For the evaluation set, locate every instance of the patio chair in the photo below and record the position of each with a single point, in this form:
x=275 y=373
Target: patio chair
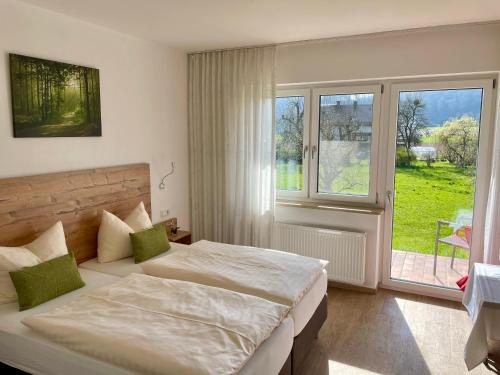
x=461 y=237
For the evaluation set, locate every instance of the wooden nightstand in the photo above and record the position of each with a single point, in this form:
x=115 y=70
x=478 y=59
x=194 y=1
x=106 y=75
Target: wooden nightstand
x=182 y=236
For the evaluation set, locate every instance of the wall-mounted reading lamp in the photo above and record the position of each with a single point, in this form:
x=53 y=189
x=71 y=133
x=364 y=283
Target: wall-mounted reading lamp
x=162 y=182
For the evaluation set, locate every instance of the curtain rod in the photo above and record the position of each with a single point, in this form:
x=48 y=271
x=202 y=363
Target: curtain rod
x=232 y=49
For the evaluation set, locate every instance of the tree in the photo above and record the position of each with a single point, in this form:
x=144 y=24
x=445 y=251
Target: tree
x=339 y=132
x=459 y=140
x=289 y=130
x=334 y=174
x=411 y=120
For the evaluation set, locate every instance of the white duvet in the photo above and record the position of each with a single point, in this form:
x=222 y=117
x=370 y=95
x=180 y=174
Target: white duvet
x=156 y=326
x=274 y=275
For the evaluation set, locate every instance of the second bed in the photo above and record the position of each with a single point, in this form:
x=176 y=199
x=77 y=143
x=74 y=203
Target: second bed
x=241 y=269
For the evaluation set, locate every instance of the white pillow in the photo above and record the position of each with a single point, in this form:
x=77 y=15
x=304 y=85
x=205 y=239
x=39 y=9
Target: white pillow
x=13 y=259
x=114 y=240
x=139 y=219
x=50 y=244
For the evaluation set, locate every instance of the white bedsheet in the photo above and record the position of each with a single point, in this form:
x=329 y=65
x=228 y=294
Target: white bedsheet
x=156 y=326
x=274 y=275
x=304 y=310
x=125 y=266
x=24 y=349
x=301 y=312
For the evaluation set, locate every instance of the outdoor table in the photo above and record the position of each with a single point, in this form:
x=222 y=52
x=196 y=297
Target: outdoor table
x=482 y=300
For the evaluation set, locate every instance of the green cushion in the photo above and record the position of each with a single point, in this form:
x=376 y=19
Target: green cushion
x=46 y=281
x=149 y=243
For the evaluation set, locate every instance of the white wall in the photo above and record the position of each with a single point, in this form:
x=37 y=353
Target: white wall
x=447 y=50
x=143 y=101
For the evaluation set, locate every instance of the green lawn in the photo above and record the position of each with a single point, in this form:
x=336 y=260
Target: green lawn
x=423 y=196
x=288 y=177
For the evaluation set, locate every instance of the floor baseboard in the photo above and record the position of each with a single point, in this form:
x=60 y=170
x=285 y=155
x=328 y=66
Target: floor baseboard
x=356 y=288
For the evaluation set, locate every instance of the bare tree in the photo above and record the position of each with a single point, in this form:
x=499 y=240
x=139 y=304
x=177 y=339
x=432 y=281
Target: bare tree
x=335 y=157
x=290 y=129
x=340 y=126
x=411 y=119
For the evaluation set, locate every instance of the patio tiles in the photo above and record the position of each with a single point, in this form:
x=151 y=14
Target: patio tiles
x=417 y=267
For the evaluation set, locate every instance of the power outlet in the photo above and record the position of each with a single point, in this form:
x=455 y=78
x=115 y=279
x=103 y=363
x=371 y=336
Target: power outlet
x=164 y=212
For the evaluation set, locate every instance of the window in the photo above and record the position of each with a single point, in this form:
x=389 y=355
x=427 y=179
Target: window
x=292 y=142
x=341 y=151
x=343 y=136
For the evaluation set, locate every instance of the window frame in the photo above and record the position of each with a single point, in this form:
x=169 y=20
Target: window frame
x=371 y=198
x=304 y=193
x=483 y=173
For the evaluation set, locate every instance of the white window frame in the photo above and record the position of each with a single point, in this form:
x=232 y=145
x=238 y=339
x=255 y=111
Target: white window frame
x=483 y=173
x=304 y=193
x=371 y=198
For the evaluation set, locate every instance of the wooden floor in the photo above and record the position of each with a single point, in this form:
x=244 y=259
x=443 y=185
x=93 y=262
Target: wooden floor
x=407 y=265
x=390 y=333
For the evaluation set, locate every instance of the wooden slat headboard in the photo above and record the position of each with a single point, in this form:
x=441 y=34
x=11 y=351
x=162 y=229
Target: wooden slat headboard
x=30 y=205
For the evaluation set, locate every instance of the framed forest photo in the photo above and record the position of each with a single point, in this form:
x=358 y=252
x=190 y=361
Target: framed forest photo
x=54 y=99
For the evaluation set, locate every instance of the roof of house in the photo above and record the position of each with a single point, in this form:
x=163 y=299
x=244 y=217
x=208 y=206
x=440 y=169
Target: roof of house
x=363 y=112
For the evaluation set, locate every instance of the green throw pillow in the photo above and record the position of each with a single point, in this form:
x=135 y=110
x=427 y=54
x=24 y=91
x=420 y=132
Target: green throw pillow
x=149 y=243
x=45 y=281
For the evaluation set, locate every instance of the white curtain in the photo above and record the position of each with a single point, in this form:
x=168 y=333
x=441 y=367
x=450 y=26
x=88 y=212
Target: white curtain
x=231 y=106
x=492 y=223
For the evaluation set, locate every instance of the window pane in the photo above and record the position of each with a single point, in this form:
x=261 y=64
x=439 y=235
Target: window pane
x=345 y=131
x=289 y=142
x=437 y=148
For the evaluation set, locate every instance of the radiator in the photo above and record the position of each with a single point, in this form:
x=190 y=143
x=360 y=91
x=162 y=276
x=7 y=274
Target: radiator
x=344 y=250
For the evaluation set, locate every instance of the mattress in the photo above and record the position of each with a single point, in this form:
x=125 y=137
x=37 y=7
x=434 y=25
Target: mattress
x=125 y=266
x=22 y=348
x=304 y=310
x=301 y=313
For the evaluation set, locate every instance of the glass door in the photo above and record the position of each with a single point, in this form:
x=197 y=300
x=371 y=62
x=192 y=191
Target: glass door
x=438 y=142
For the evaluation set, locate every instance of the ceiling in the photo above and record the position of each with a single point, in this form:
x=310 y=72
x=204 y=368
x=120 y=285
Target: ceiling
x=194 y=25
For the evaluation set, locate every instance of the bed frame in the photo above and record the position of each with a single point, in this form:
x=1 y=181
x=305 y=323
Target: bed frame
x=29 y=205
x=32 y=204
x=302 y=343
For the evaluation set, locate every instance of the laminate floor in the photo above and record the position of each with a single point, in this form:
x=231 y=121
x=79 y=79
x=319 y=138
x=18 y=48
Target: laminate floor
x=390 y=333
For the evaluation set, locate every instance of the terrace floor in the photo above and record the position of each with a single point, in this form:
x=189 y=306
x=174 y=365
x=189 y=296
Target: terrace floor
x=418 y=267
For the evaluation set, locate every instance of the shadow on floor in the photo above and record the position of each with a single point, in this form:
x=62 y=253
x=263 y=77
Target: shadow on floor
x=389 y=333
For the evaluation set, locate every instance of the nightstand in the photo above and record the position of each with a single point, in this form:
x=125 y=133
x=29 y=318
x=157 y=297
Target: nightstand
x=182 y=236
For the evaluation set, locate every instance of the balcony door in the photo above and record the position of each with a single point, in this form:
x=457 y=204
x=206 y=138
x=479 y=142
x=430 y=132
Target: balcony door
x=436 y=183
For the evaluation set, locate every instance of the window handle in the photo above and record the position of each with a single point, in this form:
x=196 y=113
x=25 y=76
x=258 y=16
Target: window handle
x=306 y=148
x=388 y=194
x=313 y=151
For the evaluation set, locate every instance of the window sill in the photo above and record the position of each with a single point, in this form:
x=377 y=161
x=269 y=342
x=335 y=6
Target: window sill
x=366 y=210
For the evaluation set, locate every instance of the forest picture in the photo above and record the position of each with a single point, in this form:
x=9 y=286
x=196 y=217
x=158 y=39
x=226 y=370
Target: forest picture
x=53 y=99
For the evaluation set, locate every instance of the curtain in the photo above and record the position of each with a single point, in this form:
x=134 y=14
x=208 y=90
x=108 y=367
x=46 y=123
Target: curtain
x=492 y=223
x=231 y=115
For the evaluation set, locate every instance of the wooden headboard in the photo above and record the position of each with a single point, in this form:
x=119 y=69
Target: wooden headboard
x=30 y=205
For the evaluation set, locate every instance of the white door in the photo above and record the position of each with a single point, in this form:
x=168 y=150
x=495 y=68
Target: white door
x=437 y=181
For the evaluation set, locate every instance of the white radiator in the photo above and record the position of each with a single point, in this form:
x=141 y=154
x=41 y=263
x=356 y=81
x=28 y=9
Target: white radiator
x=344 y=250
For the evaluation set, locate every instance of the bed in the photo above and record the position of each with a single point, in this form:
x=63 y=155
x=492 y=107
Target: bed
x=24 y=349
x=301 y=313
x=125 y=266
x=28 y=205
x=308 y=314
